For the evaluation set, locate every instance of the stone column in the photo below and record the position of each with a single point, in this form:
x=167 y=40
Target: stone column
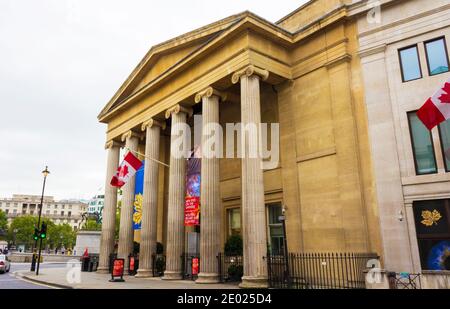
x=109 y=208
x=126 y=233
x=211 y=220
x=177 y=179
x=150 y=203
x=253 y=202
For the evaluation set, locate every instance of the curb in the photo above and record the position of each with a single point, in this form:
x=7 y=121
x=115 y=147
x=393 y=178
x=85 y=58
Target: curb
x=20 y=275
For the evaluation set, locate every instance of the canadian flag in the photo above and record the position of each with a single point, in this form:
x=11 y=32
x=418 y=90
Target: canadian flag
x=437 y=108
x=126 y=170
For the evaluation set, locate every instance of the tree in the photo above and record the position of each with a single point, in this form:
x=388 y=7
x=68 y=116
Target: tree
x=22 y=229
x=61 y=235
x=92 y=225
x=3 y=224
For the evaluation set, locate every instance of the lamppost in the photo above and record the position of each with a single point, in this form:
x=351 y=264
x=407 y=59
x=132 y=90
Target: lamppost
x=33 y=262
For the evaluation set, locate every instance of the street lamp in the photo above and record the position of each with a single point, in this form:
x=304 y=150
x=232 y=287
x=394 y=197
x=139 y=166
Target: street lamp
x=45 y=173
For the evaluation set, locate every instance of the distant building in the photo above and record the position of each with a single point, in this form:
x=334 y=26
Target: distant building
x=59 y=212
x=96 y=204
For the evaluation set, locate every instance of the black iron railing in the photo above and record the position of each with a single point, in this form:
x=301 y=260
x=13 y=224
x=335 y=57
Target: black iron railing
x=112 y=257
x=158 y=265
x=133 y=264
x=230 y=268
x=406 y=281
x=187 y=261
x=318 y=270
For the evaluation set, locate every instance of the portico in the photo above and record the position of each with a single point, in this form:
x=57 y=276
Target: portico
x=240 y=70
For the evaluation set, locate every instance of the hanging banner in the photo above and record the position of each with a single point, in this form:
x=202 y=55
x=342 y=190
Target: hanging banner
x=193 y=182
x=138 y=198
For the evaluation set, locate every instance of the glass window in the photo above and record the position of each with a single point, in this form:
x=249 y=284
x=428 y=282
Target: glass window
x=437 y=56
x=276 y=235
x=423 y=147
x=444 y=131
x=234 y=221
x=432 y=220
x=410 y=64
x=14 y=211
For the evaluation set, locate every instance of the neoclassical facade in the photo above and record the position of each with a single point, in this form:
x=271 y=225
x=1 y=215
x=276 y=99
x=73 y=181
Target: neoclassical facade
x=303 y=73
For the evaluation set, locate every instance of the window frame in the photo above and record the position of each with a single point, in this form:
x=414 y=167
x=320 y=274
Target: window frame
x=416 y=46
x=413 y=147
x=426 y=54
x=447 y=167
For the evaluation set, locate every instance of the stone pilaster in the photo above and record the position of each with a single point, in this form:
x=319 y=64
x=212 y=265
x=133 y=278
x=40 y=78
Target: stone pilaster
x=253 y=202
x=126 y=233
x=177 y=177
x=150 y=203
x=109 y=208
x=210 y=190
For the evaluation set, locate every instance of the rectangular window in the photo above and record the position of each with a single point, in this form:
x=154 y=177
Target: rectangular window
x=7 y=211
x=62 y=213
x=276 y=235
x=423 y=148
x=234 y=222
x=437 y=56
x=410 y=63
x=15 y=211
x=433 y=233
x=444 y=132
x=69 y=214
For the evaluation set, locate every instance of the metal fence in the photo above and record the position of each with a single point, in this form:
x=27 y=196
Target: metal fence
x=158 y=265
x=187 y=261
x=405 y=281
x=318 y=270
x=230 y=268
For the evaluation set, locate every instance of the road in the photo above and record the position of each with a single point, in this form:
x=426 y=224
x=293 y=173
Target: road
x=8 y=281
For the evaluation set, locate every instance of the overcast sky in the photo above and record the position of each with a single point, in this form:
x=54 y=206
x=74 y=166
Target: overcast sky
x=60 y=63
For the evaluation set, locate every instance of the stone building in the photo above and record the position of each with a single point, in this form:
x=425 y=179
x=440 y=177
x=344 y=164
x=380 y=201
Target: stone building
x=59 y=212
x=305 y=74
x=404 y=61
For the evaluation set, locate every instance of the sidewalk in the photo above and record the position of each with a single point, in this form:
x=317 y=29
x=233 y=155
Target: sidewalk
x=57 y=278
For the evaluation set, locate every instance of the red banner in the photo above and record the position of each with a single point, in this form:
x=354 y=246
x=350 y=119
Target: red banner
x=195 y=266
x=192 y=211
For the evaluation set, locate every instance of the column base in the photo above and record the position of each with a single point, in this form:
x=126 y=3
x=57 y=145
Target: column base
x=254 y=283
x=144 y=273
x=172 y=275
x=103 y=270
x=207 y=278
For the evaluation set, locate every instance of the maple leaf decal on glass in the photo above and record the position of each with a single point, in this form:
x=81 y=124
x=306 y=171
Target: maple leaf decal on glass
x=445 y=97
x=430 y=218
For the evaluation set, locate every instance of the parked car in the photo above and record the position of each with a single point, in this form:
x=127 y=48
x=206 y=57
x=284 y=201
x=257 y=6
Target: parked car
x=5 y=265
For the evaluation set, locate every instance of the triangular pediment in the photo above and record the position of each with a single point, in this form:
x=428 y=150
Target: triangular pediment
x=163 y=56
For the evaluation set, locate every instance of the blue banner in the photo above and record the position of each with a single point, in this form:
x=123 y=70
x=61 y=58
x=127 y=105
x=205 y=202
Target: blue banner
x=138 y=198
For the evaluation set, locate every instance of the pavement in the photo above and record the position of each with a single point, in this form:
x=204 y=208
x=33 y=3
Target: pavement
x=10 y=281
x=64 y=277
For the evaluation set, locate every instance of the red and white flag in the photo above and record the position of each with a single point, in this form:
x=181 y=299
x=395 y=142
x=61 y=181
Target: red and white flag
x=126 y=170
x=437 y=108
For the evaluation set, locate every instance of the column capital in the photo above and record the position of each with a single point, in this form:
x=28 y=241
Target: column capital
x=111 y=144
x=153 y=123
x=130 y=134
x=179 y=109
x=249 y=71
x=209 y=92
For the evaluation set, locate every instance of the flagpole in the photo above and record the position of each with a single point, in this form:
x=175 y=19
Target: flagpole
x=143 y=155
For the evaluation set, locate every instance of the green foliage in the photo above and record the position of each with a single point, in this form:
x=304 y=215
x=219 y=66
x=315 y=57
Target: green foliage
x=160 y=266
x=92 y=225
x=234 y=246
x=3 y=221
x=235 y=272
x=57 y=235
x=24 y=227
x=61 y=235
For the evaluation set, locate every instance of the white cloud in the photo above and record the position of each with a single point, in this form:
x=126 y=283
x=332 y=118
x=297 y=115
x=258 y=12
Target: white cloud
x=61 y=61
